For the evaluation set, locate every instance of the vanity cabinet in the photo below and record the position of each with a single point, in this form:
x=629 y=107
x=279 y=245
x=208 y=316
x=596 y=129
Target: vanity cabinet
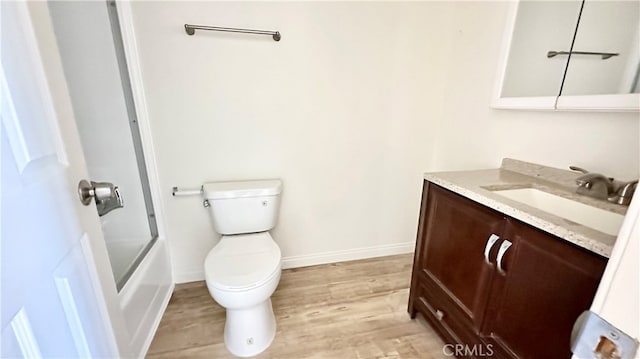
x=482 y=278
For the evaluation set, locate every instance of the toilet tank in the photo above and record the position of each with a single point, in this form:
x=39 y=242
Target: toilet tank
x=243 y=206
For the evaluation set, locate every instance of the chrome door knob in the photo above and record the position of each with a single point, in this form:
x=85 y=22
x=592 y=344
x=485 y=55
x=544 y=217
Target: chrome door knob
x=107 y=195
x=99 y=190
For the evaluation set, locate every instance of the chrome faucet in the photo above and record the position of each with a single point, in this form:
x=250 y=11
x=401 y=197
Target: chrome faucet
x=602 y=187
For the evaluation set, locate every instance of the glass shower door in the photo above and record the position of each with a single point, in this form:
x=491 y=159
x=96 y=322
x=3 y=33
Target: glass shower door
x=92 y=55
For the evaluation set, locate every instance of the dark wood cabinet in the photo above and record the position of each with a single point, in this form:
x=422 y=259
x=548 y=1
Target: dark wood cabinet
x=524 y=307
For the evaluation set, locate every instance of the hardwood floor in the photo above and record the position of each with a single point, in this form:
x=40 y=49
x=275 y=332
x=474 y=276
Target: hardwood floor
x=352 y=309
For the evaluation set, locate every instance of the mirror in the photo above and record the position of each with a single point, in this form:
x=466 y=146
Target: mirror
x=611 y=27
x=571 y=55
x=540 y=26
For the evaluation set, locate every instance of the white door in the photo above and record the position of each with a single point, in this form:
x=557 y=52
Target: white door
x=58 y=298
x=618 y=297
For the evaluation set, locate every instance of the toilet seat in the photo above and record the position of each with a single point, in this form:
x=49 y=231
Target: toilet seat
x=242 y=262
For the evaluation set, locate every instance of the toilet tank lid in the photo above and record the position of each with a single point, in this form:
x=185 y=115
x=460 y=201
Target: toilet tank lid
x=240 y=189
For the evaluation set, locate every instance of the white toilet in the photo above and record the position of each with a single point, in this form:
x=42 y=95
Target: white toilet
x=243 y=270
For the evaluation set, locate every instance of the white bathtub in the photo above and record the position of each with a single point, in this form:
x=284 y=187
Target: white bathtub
x=145 y=297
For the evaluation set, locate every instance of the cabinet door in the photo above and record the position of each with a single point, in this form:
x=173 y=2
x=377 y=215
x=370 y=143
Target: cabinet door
x=545 y=285
x=451 y=260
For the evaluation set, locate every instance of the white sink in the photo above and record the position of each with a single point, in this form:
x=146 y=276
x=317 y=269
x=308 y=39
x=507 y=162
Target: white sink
x=588 y=216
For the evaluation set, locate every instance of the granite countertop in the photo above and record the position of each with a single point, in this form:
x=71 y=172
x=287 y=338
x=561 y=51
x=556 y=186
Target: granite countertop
x=513 y=174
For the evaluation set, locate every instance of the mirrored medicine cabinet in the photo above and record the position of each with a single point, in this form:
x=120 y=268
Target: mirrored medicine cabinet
x=571 y=55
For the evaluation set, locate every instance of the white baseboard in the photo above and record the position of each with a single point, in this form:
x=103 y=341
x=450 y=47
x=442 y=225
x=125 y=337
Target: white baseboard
x=321 y=258
x=188 y=277
x=347 y=255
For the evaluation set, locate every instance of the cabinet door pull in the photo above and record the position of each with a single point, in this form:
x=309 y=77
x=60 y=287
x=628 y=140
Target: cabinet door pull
x=503 y=249
x=436 y=312
x=493 y=238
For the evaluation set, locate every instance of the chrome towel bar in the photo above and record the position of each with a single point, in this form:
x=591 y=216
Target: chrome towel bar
x=191 y=29
x=605 y=55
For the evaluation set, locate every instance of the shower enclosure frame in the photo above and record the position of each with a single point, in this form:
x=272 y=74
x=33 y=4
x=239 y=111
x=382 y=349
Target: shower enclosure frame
x=132 y=115
x=141 y=307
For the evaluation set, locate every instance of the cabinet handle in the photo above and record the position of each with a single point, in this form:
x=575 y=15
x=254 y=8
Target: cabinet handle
x=503 y=249
x=439 y=314
x=493 y=238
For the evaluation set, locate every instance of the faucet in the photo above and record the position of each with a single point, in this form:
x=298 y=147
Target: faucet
x=602 y=187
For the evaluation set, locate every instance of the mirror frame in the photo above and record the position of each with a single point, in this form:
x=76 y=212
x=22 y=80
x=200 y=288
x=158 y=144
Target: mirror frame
x=592 y=103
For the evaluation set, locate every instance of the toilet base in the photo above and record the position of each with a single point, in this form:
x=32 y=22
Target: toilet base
x=249 y=331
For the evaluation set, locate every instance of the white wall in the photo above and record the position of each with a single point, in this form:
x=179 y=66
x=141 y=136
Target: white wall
x=349 y=109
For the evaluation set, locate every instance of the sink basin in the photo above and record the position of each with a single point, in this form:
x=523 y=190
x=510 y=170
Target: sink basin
x=588 y=216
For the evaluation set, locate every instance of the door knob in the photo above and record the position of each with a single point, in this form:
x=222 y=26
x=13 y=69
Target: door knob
x=107 y=195
x=99 y=190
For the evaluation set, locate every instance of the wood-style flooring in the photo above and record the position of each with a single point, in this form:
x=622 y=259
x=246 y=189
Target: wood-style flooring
x=352 y=309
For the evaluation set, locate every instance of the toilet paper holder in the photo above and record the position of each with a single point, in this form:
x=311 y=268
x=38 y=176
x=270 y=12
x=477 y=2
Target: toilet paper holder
x=177 y=192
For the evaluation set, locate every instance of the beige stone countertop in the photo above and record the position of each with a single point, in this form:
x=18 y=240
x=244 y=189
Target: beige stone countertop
x=513 y=174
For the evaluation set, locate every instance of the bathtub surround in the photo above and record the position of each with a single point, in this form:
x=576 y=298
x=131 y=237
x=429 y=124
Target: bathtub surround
x=355 y=102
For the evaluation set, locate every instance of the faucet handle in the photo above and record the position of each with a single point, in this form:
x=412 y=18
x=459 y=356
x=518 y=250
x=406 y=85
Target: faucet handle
x=627 y=189
x=583 y=171
x=624 y=193
x=579 y=169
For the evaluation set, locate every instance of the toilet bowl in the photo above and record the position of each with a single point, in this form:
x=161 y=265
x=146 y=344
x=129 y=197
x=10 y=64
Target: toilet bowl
x=242 y=279
x=243 y=270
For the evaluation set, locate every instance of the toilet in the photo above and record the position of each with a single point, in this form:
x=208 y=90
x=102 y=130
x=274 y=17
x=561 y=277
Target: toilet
x=243 y=270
